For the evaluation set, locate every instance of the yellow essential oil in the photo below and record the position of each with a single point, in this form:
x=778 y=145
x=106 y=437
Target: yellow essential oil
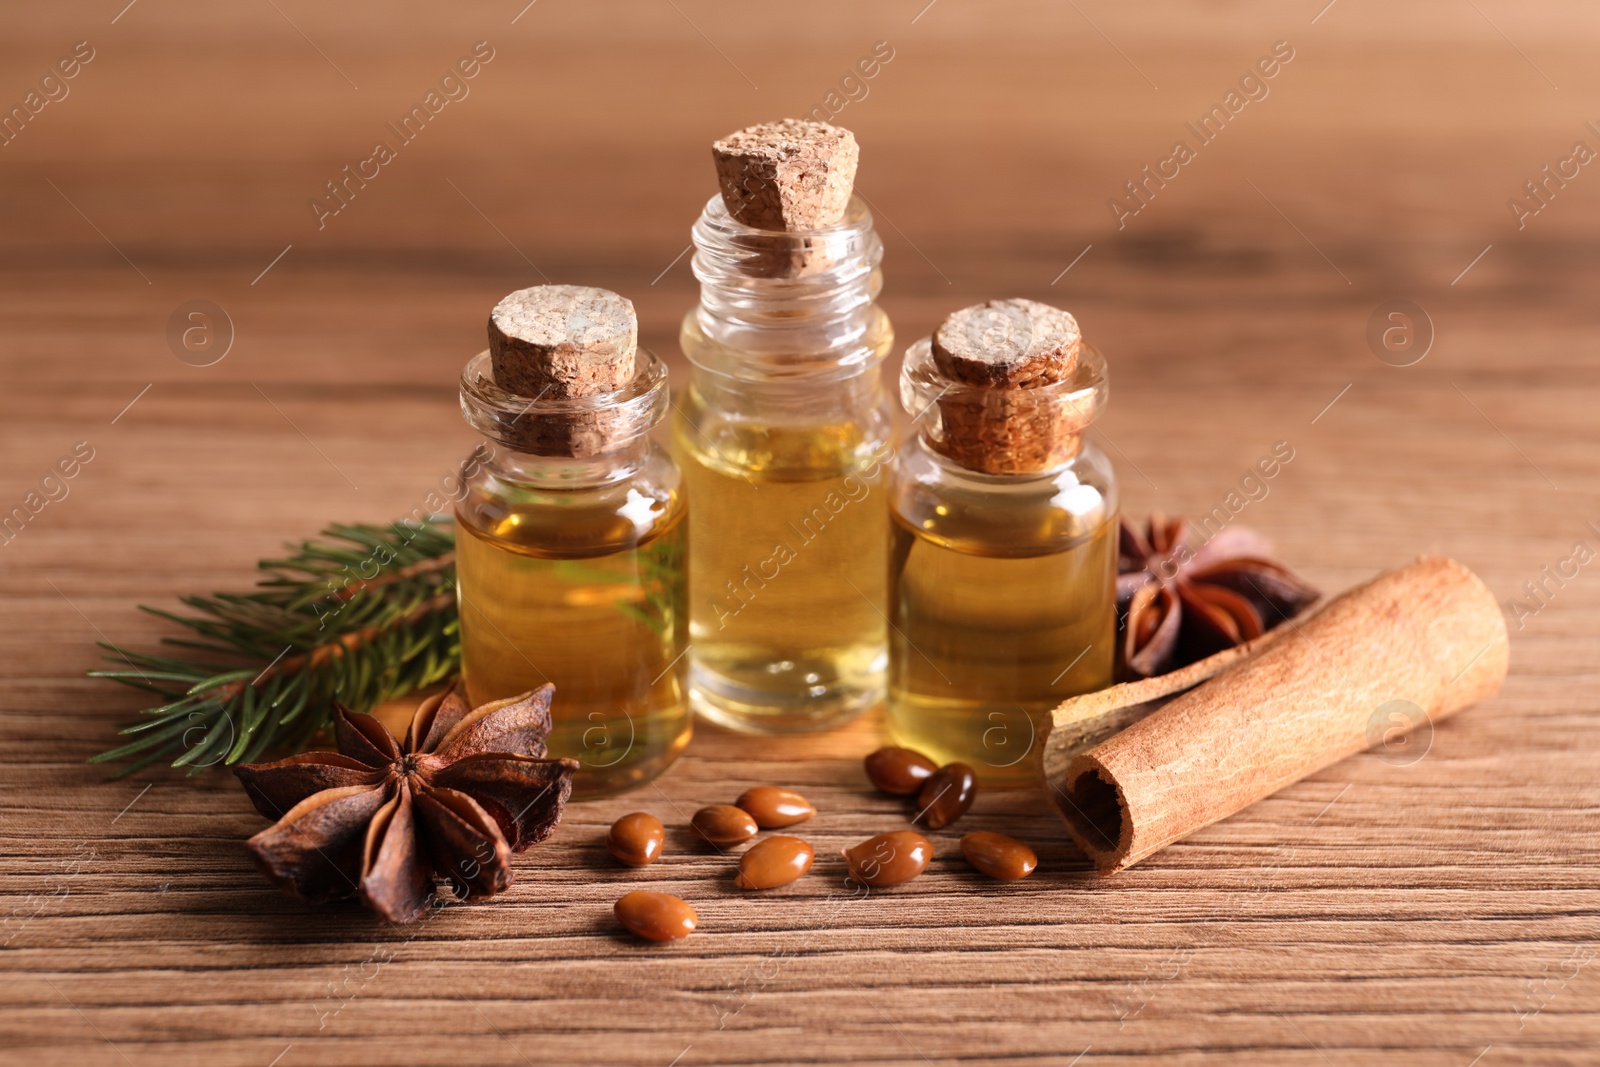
x=604 y=626
x=570 y=548
x=786 y=596
x=986 y=642
x=1003 y=548
x=783 y=438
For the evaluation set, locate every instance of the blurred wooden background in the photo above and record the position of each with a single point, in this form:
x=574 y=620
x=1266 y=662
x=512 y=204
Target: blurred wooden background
x=1442 y=912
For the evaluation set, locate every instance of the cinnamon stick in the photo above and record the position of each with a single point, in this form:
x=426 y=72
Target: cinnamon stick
x=1429 y=634
x=1081 y=722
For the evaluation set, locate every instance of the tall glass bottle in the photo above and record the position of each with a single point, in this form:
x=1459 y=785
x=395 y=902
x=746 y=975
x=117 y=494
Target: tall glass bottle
x=1002 y=566
x=570 y=545
x=783 y=436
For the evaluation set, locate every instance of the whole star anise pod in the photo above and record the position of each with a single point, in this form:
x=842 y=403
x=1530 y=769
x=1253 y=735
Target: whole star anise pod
x=382 y=821
x=1181 y=599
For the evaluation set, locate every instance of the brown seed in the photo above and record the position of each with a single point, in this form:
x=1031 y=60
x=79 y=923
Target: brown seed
x=636 y=839
x=947 y=795
x=900 y=771
x=724 y=824
x=772 y=807
x=776 y=861
x=889 y=859
x=656 y=916
x=998 y=856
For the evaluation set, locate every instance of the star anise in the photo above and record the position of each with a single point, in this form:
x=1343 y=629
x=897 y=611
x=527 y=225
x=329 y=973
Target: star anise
x=1181 y=599
x=382 y=821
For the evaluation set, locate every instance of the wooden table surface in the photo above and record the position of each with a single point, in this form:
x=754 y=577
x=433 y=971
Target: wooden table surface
x=1444 y=911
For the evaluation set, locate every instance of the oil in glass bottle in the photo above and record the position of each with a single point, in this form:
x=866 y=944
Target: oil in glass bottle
x=570 y=539
x=1002 y=568
x=783 y=435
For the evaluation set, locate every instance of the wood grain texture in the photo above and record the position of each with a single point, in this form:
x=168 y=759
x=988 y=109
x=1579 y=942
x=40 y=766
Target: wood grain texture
x=1442 y=912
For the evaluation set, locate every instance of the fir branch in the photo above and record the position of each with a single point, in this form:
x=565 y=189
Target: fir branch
x=365 y=614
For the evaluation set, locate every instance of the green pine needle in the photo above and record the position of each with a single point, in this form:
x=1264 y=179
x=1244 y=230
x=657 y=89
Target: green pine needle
x=365 y=614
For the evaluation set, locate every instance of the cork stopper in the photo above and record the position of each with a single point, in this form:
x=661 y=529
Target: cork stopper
x=563 y=341
x=564 y=374
x=1002 y=434
x=1009 y=384
x=580 y=428
x=791 y=175
x=1007 y=343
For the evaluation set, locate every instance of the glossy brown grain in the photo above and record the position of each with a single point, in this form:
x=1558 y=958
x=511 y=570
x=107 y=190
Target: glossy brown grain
x=776 y=861
x=724 y=824
x=636 y=839
x=946 y=796
x=998 y=855
x=655 y=916
x=773 y=807
x=889 y=859
x=898 y=771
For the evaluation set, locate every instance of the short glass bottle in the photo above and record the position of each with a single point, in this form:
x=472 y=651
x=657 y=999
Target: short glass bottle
x=570 y=550
x=1002 y=569
x=783 y=434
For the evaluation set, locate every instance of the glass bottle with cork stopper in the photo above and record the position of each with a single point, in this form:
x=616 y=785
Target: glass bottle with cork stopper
x=1002 y=563
x=783 y=434
x=570 y=539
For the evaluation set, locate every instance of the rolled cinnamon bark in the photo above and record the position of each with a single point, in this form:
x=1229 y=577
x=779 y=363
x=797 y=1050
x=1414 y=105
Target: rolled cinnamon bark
x=1420 y=642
